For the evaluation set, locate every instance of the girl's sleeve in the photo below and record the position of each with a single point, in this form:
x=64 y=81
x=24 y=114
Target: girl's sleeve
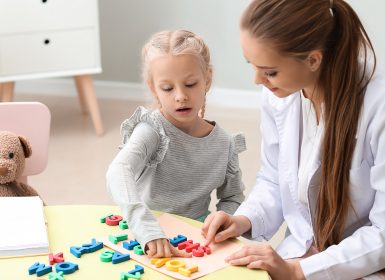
x=263 y=205
x=142 y=148
x=230 y=194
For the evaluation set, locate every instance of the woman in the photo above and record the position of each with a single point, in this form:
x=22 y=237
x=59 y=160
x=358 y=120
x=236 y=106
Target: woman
x=323 y=144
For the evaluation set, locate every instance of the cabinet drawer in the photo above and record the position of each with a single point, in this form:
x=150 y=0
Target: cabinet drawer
x=48 y=52
x=17 y=16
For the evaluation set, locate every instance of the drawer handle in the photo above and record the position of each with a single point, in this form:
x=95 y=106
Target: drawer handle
x=46 y=41
x=44 y=1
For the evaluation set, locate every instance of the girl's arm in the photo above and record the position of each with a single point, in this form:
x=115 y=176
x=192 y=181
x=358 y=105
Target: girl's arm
x=230 y=194
x=121 y=182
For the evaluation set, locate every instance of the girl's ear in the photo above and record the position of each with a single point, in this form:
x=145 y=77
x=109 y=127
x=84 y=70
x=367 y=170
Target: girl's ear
x=209 y=78
x=314 y=60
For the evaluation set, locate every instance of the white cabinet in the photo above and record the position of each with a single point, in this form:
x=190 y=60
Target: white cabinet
x=51 y=38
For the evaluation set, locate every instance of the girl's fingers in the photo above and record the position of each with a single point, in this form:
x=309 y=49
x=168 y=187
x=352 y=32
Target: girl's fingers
x=151 y=248
x=167 y=249
x=159 y=249
x=179 y=253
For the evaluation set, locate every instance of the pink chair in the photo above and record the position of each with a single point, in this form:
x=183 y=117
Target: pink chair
x=32 y=120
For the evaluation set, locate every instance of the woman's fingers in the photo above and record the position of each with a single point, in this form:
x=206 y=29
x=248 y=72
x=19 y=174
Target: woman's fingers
x=206 y=224
x=237 y=255
x=266 y=258
x=258 y=264
x=242 y=260
x=248 y=256
x=251 y=250
x=225 y=234
x=215 y=225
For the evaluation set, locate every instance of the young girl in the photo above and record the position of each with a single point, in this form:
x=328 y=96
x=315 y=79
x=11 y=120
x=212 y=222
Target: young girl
x=172 y=158
x=323 y=144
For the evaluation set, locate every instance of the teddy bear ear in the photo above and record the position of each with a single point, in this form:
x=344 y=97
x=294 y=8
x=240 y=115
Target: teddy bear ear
x=27 y=149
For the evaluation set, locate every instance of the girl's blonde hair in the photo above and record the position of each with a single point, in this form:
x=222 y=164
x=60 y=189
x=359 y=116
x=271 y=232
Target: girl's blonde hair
x=175 y=43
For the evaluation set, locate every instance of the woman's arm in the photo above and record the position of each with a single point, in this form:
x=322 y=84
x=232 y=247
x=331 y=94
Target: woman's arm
x=263 y=205
x=262 y=210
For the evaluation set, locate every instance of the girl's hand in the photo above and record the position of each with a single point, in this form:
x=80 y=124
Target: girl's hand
x=161 y=248
x=220 y=226
x=266 y=258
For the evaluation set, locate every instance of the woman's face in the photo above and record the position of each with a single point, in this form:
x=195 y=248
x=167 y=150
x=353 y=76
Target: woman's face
x=282 y=75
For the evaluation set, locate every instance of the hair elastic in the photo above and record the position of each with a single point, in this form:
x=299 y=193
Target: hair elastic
x=331 y=7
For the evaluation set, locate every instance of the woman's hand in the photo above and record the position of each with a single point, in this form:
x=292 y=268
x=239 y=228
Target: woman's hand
x=220 y=226
x=161 y=248
x=266 y=258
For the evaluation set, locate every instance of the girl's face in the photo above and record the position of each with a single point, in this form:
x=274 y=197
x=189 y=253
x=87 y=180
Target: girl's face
x=180 y=85
x=283 y=75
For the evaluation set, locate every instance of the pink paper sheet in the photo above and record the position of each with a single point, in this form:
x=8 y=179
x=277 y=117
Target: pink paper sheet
x=172 y=227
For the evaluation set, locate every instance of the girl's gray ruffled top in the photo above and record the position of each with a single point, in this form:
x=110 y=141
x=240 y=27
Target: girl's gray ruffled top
x=162 y=168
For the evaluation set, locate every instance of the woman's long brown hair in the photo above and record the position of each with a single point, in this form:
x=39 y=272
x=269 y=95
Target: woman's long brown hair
x=295 y=28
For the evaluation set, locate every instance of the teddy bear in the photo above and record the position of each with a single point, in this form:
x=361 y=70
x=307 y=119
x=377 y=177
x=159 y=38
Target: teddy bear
x=14 y=149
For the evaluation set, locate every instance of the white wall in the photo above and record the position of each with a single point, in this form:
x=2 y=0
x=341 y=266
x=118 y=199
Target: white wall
x=371 y=13
x=127 y=24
